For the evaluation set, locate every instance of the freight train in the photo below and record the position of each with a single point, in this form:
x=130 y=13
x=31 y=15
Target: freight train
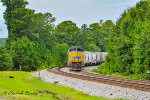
x=78 y=57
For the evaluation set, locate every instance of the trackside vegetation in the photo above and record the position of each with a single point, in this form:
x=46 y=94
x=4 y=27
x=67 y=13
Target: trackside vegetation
x=128 y=46
x=18 y=85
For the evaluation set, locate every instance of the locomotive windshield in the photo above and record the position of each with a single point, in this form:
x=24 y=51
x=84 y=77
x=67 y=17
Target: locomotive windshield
x=80 y=49
x=76 y=48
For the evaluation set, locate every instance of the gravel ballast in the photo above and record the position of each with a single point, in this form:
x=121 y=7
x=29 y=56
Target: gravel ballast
x=92 y=88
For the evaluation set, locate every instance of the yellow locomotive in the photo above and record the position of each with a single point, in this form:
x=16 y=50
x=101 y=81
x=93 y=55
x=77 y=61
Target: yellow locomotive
x=75 y=58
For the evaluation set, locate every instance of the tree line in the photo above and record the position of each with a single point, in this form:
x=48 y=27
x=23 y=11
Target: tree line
x=128 y=44
x=35 y=42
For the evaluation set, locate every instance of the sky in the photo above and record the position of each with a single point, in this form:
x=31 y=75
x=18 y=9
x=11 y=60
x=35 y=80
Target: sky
x=78 y=11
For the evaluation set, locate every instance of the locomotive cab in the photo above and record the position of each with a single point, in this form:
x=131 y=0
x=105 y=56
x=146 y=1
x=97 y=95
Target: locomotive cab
x=75 y=58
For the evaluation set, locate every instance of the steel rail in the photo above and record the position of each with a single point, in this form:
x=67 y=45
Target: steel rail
x=117 y=81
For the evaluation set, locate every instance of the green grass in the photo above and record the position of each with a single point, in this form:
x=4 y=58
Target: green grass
x=24 y=81
x=105 y=71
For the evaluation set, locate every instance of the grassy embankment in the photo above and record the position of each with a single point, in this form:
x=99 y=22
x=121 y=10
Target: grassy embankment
x=102 y=70
x=24 y=86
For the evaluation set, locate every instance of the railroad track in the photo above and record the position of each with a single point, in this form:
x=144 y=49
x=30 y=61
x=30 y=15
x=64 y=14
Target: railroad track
x=111 y=80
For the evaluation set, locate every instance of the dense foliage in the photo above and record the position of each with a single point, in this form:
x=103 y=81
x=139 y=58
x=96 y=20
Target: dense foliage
x=5 y=59
x=30 y=37
x=129 y=45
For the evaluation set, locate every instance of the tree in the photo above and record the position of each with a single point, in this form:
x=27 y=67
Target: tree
x=97 y=34
x=42 y=28
x=24 y=55
x=29 y=56
x=5 y=59
x=107 y=28
x=128 y=45
x=17 y=18
x=66 y=32
x=59 y=55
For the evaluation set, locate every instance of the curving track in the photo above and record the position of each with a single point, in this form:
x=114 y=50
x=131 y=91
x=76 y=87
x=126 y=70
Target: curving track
x=111 y=80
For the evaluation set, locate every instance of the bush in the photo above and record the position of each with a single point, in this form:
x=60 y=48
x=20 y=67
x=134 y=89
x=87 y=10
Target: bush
x=23 y=54
x=5 y=59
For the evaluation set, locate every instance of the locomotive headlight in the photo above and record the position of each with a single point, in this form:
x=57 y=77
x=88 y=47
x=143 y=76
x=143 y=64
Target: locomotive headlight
x=76 y=57
x=73 y=58
x=82 y=58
